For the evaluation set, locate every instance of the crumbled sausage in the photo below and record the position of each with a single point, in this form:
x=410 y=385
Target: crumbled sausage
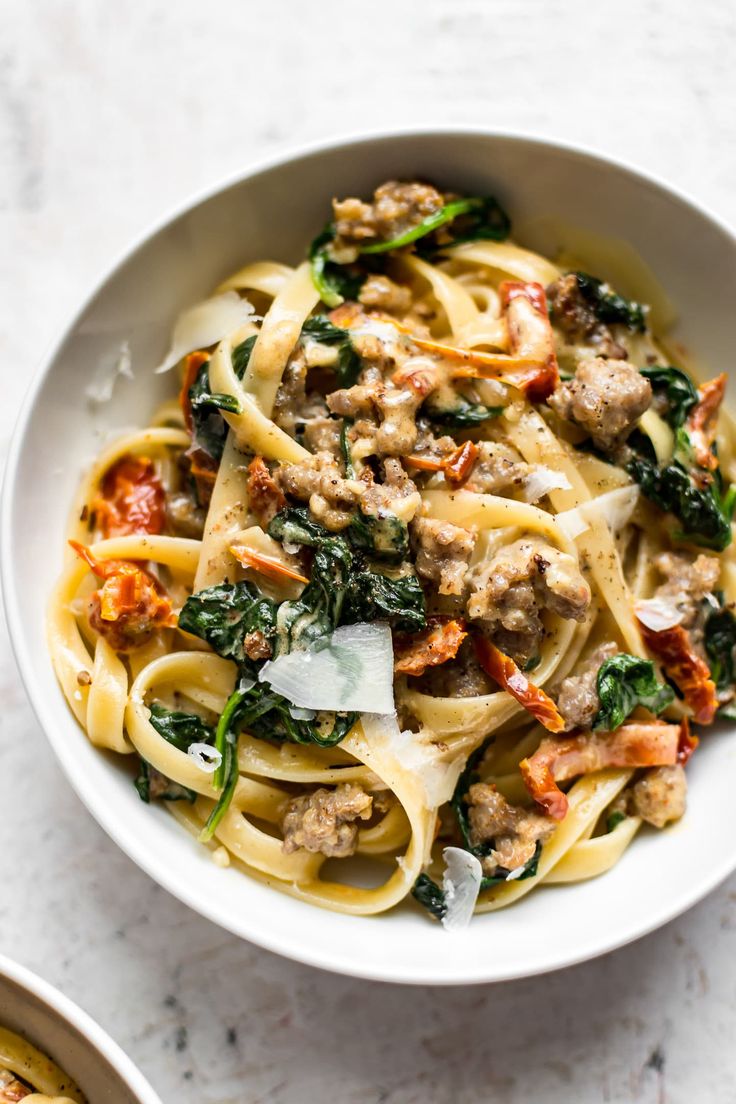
x=577 y=321
x=322 y=434
x=381 y=293
x=294 y=406
x=463 y=677
x=578 y=700
x=606 y=398
x=396 y=495
x=256 y=645
x=660 y=796
x=498 y=468
x=511 y=590
x=512 y=830
x=265 y=497
x=396 y=208
x=318 y=480
x=687 y=582
x=324 y=821
x=184 y=517
x=443 y=552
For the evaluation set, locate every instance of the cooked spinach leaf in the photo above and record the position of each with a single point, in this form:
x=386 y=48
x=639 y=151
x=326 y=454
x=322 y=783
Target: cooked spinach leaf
x=335 y=283
x=226 y=775
x=614 y=819
x=704 y=513
x=386 y=538
x=430 y=896
x=348 y=364
x=625 y=681
x=472 y=219
x=151 y=784
x=209 y=427
x=459 y=802
x=347 y=456
x=180 y=729
x=482 y=217
x=464 y=415
x=720 y=642
x=677 y=388
x=609 y=307
x=241 y=355
x=223 y=615
x=374 y=597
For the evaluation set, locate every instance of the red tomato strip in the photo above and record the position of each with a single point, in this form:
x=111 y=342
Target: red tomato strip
x=265 y=564
x=702 y=420
x=431 y=647
x=192 y=365
x=681 y=663
x=502 y=669
x=131 y=499
x=459 y=466
x=649 y=744
x=129 y=605
x=265 y=497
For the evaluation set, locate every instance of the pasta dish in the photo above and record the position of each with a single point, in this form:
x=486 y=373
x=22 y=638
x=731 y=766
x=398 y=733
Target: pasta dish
x=421 y=583
x=27 y=1074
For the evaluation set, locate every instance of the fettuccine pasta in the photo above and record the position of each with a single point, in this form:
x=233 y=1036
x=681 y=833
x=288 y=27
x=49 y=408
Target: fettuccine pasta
x=28 y=1074
x=419 y=581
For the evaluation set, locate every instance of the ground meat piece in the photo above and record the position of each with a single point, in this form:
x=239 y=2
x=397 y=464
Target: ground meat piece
x=184 y=517
x=462 y=677
x=687 y=582
x=522 y=579
x=397 y=494
x=578 y=700
x=322 y=434
x=660 y=796
x=11 y=1089
x=318 y=480
x=606 y=398
x=397 y=433
x=293 y=406
x=497 y=468
x=265 y=497
x=389 y=410
x=381 y=293
x=325 y=820
x=513 y=830
x=574 y=317
x=256 y=646
x=396 y=208
x=443 y=551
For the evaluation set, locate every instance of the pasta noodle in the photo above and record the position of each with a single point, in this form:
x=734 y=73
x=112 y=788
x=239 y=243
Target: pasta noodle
x=27 y=1074
x=431 y=428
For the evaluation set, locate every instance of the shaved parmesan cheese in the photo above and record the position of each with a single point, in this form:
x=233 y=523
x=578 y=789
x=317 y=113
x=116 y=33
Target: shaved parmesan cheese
x=657 y=613
x=100 y=389
x=205 y=324
x=614 y=508
x=415 y=754
x=352 y=668
x=461 y=884
x=205 y=756
x=572 y=522
x=541 y=480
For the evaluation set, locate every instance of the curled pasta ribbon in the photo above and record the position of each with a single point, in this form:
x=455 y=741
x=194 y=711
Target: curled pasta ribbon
x=48 y=1080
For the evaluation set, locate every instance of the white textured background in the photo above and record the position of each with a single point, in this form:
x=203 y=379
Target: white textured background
x=108 y=116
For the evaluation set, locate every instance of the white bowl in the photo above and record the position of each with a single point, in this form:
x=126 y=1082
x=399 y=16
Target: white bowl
x=273 y=211
x=50 y=1021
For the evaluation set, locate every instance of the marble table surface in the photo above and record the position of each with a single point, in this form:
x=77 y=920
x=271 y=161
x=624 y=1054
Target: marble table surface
x=108 y=115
